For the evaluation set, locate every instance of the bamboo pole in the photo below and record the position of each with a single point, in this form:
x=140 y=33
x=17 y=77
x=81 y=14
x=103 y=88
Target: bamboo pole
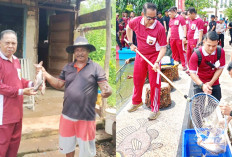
x=108 y=49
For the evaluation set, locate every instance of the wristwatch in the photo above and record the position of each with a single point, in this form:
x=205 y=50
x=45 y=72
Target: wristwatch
x=130 y=44
x=230 y=113
x=201 y=85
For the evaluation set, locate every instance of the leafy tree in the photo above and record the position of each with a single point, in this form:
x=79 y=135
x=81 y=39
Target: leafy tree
x=98 y=39
x=162 y=5
x=228 y=13
x=199 y=5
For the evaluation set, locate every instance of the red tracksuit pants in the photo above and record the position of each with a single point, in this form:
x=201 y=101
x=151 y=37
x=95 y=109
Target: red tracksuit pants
x=10 y=136
x=192 y=43
x=140 y=72
x=177 y=47
x=122 y=39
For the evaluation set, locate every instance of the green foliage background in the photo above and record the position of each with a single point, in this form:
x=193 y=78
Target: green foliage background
x=199 y=5
x=228 y=11
x=98 y=39
x=137 y=5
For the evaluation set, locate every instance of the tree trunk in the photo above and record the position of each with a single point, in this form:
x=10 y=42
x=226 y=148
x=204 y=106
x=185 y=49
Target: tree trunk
x=216 y=8
x=108 y=49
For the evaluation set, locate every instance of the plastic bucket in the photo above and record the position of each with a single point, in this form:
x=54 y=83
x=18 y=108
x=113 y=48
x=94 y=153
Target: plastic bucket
x=110 y=119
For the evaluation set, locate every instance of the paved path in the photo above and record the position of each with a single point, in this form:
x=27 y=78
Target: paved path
x=161 y=138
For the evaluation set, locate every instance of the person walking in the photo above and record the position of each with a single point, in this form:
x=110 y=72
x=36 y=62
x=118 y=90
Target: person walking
x=177 y=36
x=160 y=18
x=206 y=23
x=230 y=30
x=212 y=24
x=166 y=20
x=195 y=31
x=220 y=29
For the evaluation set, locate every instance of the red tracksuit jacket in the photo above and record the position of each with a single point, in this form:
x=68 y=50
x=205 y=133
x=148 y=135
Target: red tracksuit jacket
x=11 y=103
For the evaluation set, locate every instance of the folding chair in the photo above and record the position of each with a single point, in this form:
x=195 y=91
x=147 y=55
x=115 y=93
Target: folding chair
x=28 y=101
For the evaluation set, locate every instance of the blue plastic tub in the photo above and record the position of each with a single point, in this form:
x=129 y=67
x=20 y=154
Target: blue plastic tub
x=126 y=53
x=191 y=149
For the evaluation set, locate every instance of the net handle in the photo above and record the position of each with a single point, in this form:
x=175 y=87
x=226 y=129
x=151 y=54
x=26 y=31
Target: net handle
x=121 y=68
x=169 y=81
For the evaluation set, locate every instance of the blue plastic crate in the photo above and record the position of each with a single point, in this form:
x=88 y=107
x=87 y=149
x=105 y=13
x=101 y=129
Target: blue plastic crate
x=126 y=53
x=191 y=149
x=172 y=62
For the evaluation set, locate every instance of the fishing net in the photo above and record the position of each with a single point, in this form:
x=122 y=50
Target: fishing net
x=120 y=72
x=208 y=122
x=124 y=85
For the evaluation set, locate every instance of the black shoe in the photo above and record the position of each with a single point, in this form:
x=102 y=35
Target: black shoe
x=229 y=42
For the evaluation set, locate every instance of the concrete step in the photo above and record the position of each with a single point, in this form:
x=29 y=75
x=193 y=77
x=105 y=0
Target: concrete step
x=46 y=126
x=50 y=144
x=54 y=153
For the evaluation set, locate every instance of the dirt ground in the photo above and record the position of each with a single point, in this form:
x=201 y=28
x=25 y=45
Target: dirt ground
x=50 y=105
x=105 y=149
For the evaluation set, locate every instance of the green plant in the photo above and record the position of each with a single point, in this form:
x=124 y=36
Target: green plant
x=123 y=5
x=98 y=39
x=228 y=13
x=199 y=5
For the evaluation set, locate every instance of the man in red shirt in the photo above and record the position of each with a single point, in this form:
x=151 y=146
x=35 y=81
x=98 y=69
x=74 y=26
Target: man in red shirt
x=195 y=31
x=117 y=16
x=216 y=19
x=12 y=89
x=177 y=35
x=206 y=73
x=206 y=23
x=126 y=20
x=185 y=16
x=151 y=40
x=132 y=16
x=122 y=31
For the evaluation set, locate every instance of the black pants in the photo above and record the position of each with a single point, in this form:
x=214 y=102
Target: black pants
x=134 y=39
x=216 y=91
x=221 y=38
x=118 y=41
x=230 y=37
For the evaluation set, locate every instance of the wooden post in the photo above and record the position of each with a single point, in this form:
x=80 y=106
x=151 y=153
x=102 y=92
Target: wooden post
x=216 y=8
x=108 y=49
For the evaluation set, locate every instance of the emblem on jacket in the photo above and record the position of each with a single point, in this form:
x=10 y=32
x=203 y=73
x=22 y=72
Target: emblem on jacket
x=150 y=40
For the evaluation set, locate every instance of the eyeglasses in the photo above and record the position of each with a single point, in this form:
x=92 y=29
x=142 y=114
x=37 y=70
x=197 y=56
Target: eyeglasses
x=151 y=18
